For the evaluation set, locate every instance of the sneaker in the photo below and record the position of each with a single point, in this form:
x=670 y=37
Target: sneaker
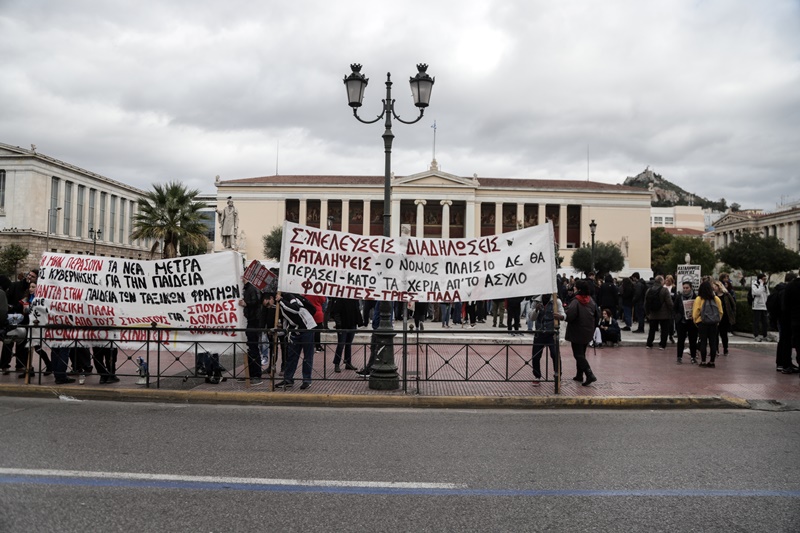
x=662 y=349
x=703 y=364
x=648 y=347
x=363 y=372
x=626 y=328
x=535 y=382
x=710 y=365
x=256 y=381
x=680 y=361
x=758 y=338
x=284 y=385
x=589 y=380
x=305 y=385
x=348 y=366
x=791 y=370
x=779 y=369
x=65 y=381
x=337 y=368
x=694 y=360
x=725 y=353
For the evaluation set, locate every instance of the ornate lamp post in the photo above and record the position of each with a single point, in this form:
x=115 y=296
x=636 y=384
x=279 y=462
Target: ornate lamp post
x=50 y=224
x=593 y=228
x=94 y=234
x=384 y=371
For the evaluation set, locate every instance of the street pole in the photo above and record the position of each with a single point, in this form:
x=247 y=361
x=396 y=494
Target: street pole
x=94 y=234
x=593 y=228
x=383 y=375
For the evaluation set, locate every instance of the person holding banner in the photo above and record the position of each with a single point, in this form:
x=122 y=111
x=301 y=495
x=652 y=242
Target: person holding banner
x=582 y=318
x=545 y=335
x=252 y=307
x=684 y=325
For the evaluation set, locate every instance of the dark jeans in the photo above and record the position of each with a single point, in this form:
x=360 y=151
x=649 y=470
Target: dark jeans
x=253 y=353
x=724 y=327
x=301 y=340
x=663 y=326
x=609 y=336
x=708 y=340
x=513 y=316
x=638 y=308
x=760 y=323
x=471 y=309
x=344 y=342
x=60 y=361
x=540 y=342
x=18 y=351
x=783 y=354
x=456 y=314
x=687 y=330
x=627 y=313
x=105 y=361
x=579 y=353
x=497 y=311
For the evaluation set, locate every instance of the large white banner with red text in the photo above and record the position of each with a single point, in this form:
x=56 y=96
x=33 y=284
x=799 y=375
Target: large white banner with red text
x=333 y=263
x=199 y=292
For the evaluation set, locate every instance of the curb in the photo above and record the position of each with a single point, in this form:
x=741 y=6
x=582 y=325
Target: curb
x=287 y=399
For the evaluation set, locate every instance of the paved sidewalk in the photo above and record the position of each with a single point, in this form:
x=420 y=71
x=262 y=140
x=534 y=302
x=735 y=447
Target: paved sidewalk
x=628 y=376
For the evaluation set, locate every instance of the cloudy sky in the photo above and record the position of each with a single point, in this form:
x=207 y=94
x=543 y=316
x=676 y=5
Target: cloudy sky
x=707 y=93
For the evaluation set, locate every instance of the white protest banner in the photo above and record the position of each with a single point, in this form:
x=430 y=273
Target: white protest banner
x=333 y=263
x=690 y=273
x=199 y=292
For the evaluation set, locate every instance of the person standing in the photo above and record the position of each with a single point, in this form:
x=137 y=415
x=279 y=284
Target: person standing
x=498 y=311
x=791 y=310
x=581 y=317
x=658 y=307
x=669 y=284
x=444 y=313
x=514 y=310
x=782 y=318
x=728 y=315
x=706 y=313
x=298 y=315
x=251 y=302
x=346 y=318
x=760 y=292
x=626 y=299
x=608 y=294
x=684 y=323
x=545 y=335
x=639 y=290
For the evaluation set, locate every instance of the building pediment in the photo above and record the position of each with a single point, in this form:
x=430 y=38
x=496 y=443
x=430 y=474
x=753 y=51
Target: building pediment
x=6 y=149
x=435 y=178
x=730 y=218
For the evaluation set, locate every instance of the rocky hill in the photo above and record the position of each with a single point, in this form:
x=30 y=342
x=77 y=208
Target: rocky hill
x=667 y=194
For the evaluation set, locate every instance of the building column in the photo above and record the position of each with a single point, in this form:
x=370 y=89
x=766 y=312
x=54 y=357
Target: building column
x=541 y=216
x=345 y=215
x=562 y=226
x=303 y=212
x=395 y=227
x=323 y=213
x=367 y=217
x=498 y=218
x=471 y=222
x=446 y=218
x=420 y=218
x=520 y=216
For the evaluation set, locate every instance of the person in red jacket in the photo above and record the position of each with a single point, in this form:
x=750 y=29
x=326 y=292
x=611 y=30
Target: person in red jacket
x=319 y=303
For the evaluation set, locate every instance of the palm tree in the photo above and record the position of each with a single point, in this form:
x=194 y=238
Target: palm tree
x=169 y=213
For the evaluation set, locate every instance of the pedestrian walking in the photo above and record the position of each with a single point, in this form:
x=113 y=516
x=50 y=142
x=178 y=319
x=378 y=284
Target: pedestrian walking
x=582 y=318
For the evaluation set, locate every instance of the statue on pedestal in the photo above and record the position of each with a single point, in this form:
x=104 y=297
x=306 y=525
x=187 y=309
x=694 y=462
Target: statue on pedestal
x=229 y=225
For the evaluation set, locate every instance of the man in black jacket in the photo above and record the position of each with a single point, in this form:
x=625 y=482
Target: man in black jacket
x=252 y=306
x=639 y=290
x=347 y=318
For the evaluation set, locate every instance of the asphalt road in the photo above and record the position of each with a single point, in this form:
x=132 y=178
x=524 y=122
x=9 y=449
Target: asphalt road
x=97 y=466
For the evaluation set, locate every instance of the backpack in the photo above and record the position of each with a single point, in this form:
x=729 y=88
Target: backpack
x=652 y=300
x=709 y=314
x=774 y=305
x=750 y=296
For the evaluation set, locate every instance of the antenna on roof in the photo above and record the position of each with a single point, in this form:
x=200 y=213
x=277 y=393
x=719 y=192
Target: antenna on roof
x=587 y=162
x=277 y=152
x=434 y=140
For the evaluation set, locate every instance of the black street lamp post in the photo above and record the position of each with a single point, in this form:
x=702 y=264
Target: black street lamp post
x=593 y=228
x=94 y=234
x=383 y=374
x=51 y=225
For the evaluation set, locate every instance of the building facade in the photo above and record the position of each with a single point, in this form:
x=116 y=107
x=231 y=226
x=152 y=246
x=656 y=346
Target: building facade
x=47 y=204
x=436 y=204
x=783 y=223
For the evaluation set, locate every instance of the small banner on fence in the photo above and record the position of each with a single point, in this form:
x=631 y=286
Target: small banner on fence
x=333 y=263
x=199 y=292
x=259 y=275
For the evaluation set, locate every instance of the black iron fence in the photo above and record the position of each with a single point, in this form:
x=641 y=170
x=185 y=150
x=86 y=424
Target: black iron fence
x=434 y=356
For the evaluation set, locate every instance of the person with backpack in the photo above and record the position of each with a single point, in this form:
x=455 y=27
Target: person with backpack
x=582 y=318
x=544 y=335
x=298 y=315
x=658 y=307
x=759 y=292
x=707 y=313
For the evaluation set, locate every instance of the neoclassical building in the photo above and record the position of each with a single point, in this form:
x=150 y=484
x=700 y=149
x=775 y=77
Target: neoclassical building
x=783 y=223
x=441 y=205
x=47 y=204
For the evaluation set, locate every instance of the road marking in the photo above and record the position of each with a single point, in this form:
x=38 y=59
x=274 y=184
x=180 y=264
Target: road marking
x=221 y=480
x=16 y=476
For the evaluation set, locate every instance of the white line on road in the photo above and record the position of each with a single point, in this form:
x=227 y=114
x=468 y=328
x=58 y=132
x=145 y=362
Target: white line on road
x=227 y=480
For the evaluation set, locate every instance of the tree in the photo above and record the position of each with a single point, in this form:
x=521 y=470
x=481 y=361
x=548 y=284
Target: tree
x=10 y=256
x=735 y=207
x=170 y=214
x=700 y=251
x=272 y=243
x=607 y=258
x=660 y=242
x=752 y=253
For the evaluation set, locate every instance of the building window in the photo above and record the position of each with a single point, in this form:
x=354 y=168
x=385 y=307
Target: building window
x=335 y=211
x=573 y=226
x=67 y=208
x=433 y=219
x=487 y=219
x=376 y=217
x=293 y=211
x=669 y=221
x=112 y=218
x=101 y=223
x=531 y=215
x=552 y=212
x=356 y=217
x=53 y=205
x=79 y=212
x=509 y=217
x=2 y=190
x=658 y=221
x=313 y=208
x=458 y=212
